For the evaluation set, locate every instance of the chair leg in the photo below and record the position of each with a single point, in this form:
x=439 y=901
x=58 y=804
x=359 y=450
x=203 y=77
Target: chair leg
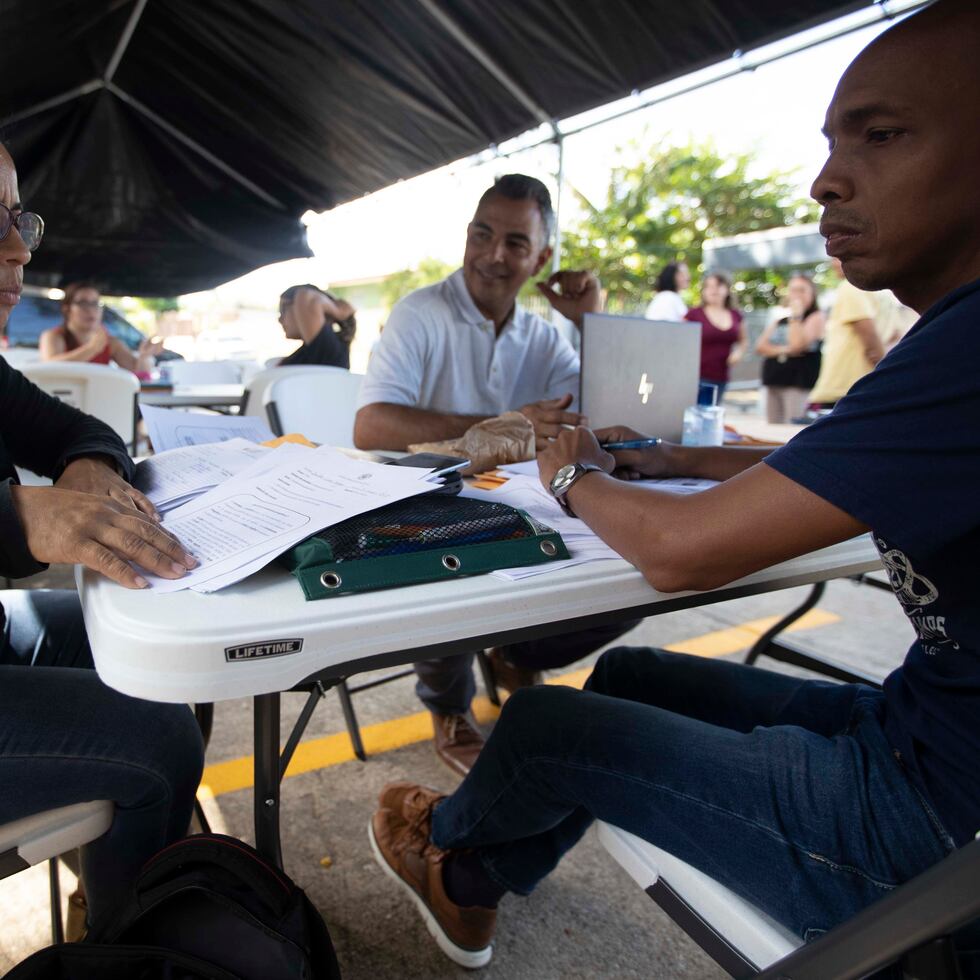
x=766 y=640
x=489 y=681
x=353 y=729
x=57 y=929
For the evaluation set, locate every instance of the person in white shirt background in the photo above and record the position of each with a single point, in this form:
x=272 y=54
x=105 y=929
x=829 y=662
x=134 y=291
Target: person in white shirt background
x=667 y=304
x=463 y=350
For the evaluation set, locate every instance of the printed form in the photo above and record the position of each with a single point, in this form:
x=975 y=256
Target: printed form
x=170 y=428
x=173 y=477
x=285 y=496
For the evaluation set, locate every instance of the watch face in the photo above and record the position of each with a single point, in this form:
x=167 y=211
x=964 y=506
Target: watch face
x=562 y=478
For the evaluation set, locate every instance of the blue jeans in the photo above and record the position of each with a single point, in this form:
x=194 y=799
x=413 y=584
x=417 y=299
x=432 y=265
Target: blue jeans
x=67 y=738
x=446 y=685
x=783 y=790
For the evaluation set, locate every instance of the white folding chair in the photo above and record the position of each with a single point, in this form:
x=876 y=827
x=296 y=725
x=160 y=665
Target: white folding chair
x=204 y=372
x=108 y=393
x=45 y=836
x=320 y=406
x=253 y=401
x=912 y=925
x=739 y=937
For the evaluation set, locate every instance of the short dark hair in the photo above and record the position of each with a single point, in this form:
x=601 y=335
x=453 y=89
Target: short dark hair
x=668 y=277
x=288 y=295
x=520 y=187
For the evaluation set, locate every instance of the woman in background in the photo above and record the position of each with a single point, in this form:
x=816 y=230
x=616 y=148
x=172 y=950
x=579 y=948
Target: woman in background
x=82 y=336
x=667 y=304
x=325 y=324
x=723 y=338
x=791 y=348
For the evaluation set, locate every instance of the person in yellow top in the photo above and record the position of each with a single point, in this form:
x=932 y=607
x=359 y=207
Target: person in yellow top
x=851 y=346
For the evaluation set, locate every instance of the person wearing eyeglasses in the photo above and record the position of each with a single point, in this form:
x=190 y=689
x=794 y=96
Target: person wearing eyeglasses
x=65 y=737
x=82 y=336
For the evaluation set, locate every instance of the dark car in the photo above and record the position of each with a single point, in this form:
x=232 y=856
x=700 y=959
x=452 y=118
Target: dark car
x=35 y=314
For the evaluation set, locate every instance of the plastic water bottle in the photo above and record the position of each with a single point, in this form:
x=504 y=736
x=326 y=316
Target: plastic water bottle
x=704 y=423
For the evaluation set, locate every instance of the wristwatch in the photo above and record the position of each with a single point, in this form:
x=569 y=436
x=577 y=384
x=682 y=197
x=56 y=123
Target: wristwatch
x=565 y=479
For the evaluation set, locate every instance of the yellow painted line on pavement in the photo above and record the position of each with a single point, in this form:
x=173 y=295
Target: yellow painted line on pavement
x=722 y=642
x=332 y=750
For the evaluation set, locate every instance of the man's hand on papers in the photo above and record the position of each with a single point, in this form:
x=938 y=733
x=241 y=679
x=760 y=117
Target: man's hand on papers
x=572 y=446
x=71 y=527
x=549 y=418
x=90 y=475
x=637 y=464
x=578 y=292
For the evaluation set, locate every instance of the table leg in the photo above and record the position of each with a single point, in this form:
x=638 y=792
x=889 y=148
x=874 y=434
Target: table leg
x=267 y=781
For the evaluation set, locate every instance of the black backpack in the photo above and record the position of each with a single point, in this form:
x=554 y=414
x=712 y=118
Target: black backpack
x=206 y=908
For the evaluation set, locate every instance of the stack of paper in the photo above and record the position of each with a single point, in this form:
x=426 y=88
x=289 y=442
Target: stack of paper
x=169 y=428
x=176 y=476
x=584 y=545
x=672 y=484
x=285 y=495
x=526 y=493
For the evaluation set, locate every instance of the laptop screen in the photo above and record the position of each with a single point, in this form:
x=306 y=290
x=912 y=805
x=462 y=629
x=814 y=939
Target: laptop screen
x=638 y=372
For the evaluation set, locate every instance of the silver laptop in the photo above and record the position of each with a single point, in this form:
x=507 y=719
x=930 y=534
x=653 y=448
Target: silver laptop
x=638 y=372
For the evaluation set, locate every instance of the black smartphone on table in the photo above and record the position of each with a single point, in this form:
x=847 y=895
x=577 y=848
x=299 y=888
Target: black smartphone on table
x=442 y=465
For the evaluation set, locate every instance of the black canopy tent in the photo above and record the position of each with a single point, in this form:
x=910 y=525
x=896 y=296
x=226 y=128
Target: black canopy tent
x=171 y=145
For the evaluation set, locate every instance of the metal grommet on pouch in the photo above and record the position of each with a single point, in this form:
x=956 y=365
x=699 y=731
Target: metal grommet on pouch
x=549 y=548
x=331 y=580
x=451 y=562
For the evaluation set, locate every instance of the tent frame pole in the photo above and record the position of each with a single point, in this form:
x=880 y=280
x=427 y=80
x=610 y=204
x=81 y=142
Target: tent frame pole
x=123 y=43
x=194 y=145
x=560 y=180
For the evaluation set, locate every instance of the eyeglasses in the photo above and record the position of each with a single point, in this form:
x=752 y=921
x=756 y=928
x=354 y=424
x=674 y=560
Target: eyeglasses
x=29 y=225
x=88 y=304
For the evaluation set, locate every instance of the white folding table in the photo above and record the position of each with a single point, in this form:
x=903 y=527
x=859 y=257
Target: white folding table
x=218 y=397
x=261 y=637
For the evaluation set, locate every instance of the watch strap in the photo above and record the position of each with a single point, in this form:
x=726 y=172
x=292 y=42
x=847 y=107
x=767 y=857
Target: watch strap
x=580 y=470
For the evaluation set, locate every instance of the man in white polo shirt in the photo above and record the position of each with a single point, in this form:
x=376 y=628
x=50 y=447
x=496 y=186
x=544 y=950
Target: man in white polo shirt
x=461 y=351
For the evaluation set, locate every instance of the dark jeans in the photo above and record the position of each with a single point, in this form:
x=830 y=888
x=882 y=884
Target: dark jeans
x=783 y=790
x=67 y=738
x=446 y=686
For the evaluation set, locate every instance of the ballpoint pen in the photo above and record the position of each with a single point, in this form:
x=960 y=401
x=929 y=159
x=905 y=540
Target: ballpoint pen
x=631 y=444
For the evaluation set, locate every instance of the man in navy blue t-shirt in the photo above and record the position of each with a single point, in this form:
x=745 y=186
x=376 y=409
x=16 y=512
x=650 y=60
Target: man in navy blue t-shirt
x=809 y=799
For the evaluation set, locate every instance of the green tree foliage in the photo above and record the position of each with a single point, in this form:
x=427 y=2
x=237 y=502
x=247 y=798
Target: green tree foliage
x=427 y=272
x=663 y=207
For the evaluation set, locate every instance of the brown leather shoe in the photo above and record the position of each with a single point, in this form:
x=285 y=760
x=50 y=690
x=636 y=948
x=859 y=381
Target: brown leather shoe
x=458 y=741
x=509 y=676
x=408 y=800
x=76 y=921
x=405 y=853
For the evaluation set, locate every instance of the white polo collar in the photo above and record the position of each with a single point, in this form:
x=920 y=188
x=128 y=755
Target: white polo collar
x=468 y=310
